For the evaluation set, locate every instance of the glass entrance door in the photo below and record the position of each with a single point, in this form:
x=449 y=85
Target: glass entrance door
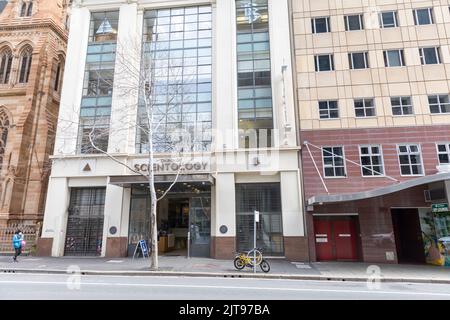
x=200 y=226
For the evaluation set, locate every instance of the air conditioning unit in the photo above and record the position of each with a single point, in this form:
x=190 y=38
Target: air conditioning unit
x=443 y=168
x=434 y=195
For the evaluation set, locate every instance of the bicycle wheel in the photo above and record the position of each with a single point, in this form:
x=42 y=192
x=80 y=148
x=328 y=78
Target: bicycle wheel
x=265 y=266
x=255 y=253
x=239 y=264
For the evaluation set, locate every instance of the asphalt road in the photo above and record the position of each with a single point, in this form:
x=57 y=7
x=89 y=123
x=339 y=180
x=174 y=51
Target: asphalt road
x=74 y=287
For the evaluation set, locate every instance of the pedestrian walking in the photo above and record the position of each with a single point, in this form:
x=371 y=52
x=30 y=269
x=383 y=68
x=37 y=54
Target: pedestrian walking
x=17 y=244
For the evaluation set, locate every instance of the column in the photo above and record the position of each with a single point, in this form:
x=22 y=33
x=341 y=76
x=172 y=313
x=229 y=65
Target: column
x=295 y=241
x=223 y=244
x=72 y=90
x=54 y=227
x=115 y=245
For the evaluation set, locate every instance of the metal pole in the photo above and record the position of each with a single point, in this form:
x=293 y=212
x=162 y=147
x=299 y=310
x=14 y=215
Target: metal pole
x=254 y=245
x=189 y=245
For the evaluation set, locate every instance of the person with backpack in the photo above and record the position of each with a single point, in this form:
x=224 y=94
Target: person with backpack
x=17 y=244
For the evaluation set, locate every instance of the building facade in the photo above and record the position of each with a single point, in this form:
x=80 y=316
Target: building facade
x=372 y=86
x=221 y=73
x=33 y=40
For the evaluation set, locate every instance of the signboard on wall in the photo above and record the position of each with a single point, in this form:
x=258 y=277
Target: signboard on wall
x=173 y=166
x=441 y=207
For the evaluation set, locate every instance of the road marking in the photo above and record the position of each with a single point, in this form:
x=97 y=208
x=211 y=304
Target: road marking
x=228 y=287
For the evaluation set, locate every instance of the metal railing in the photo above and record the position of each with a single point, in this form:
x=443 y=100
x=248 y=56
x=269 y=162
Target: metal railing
x=30 y=235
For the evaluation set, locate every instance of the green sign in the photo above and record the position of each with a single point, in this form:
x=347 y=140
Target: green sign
x=442 y=207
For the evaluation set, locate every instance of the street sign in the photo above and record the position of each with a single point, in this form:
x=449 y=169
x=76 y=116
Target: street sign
x=440 y=207
x=257 y=216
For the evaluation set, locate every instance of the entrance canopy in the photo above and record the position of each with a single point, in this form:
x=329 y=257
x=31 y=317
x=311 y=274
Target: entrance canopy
x=335 y=198
x=130 y=181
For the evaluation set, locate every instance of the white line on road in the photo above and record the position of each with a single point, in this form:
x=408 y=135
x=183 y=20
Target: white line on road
x=230 y=287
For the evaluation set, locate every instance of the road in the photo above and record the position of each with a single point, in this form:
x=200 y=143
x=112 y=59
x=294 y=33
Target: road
x=74 y=287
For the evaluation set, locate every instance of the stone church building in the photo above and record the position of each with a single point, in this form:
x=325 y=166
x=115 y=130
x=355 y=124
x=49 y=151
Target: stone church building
x=33 y=38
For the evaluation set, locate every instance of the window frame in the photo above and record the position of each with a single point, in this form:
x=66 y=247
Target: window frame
x=430 y=16
x=381 y=22
x=328 y=109
x=408 y=145
x=401 y=106
x=370 y=155
x=437 y=51
x=330 y=61
x=401 y=54
x=351 y=60
x=365 y=108
x=334 y=167
x=327 y=23
x=360 y=18
x=447 y=152
x=439 y=104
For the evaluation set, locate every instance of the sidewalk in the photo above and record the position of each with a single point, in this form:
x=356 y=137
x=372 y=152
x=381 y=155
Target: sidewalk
x=180 y=266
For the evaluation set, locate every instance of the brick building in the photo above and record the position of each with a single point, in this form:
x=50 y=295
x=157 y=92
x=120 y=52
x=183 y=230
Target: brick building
x=33 y=40
x=374 y=113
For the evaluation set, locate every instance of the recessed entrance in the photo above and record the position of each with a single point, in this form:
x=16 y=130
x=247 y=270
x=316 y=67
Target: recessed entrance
x=183 y=215
x=408 y=236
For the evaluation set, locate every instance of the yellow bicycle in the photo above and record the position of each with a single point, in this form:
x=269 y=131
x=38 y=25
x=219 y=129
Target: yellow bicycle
x=250 y=259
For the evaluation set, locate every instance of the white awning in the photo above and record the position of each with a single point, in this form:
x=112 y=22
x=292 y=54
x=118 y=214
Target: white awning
x=322 y=199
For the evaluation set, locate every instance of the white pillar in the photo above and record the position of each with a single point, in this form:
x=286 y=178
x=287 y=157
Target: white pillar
x=56 y=214
x=72 y=90
x=280 y=55
x=225 y=206
x=291 y=202
x=126 y=81
x=225 y=75
x=113 y=213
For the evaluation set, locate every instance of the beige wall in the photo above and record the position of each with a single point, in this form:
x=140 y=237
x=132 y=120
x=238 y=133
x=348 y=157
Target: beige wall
x=378 y=81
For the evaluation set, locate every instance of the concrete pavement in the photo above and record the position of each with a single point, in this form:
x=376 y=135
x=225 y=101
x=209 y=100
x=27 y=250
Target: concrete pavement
x=64 y=287
x=181 y=266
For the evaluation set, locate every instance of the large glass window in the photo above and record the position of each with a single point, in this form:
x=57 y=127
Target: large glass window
x=371 y=160
x=254 y=74
x=388 y=19
x=6 y=59
x=401 y=106
x=178 y=43
x=333 y=162
x=98 y=83
x=320 y=25
x=439 y=103
x=443 y=150
x=265 y=198
x=423 y=16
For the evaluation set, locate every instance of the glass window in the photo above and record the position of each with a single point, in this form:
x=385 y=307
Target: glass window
x=358 y=60
x=443 y=150
x=26 y=58
x=439 y=103
x=254 y=74
x=328 y=110
x=333 y=162
x=182 y=63
x=354 y=22
x=423 y=16
x=371 y=160
x=388 y=19
x=410 y=159
x=401 y=106
x=6 y=59
x=265 y=198
x=364 y=108
x=320 y=25
x=324 y=62
x=4 y=128
x=430 y=55
x=103 y=27
x=393 y=58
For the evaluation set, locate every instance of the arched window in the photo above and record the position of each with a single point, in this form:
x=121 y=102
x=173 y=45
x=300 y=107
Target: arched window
x=6 y=58
x=25 y=65
x=4 y=127
x=30 y=9
x=23 y=9
x=58 y=74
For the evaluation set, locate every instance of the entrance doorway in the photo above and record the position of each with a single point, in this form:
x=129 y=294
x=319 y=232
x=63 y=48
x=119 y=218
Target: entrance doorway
x=184 y=220
x=336 y=238
x=408 y=236
x=85 y=222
